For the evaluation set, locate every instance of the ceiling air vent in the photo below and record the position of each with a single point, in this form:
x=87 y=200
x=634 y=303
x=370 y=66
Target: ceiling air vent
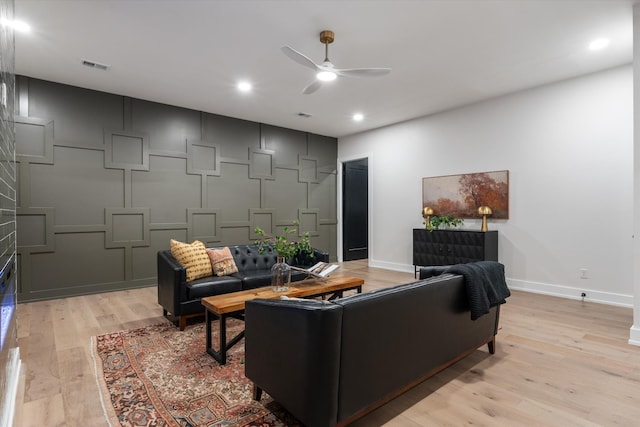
x=305 y=115
x=96 y=65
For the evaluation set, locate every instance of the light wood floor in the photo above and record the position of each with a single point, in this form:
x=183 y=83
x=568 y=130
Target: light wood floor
x=558 y=363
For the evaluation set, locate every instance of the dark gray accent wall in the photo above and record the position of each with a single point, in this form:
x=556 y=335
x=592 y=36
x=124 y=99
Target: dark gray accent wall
x=106 y=180
x=9 y=352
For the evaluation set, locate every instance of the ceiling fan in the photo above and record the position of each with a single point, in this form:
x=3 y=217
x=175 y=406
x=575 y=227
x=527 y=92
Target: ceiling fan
x=327 y=71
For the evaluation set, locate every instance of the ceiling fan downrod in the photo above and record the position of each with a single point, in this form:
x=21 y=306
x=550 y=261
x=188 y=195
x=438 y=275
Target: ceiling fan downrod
x=326 y=37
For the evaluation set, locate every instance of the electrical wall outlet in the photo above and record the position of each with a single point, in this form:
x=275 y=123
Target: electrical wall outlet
x=584 y=273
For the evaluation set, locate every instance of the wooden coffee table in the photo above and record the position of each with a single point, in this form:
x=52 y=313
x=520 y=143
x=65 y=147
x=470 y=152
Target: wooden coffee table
x=232 y=305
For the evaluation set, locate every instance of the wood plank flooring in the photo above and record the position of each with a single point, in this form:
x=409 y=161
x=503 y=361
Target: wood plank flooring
x=558 y=362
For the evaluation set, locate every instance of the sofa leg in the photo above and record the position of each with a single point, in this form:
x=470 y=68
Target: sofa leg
x=182 y=322
x=257 y=393
x=492 y=345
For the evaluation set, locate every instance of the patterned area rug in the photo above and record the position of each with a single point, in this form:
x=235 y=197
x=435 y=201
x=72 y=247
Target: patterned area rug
x=159 y=376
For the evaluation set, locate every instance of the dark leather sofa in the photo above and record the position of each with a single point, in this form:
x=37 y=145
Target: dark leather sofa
x=181 y=299
x=331 y=362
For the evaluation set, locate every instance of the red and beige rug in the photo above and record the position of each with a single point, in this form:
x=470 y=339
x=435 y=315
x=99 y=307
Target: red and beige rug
x=159 y=376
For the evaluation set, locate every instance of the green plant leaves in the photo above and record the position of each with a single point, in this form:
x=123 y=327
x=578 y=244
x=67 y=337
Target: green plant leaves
x=445 y=221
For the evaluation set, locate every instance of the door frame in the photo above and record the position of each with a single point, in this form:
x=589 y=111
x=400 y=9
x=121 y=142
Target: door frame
x=339 y=239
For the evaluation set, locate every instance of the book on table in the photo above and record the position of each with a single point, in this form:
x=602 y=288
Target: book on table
x=320 y=269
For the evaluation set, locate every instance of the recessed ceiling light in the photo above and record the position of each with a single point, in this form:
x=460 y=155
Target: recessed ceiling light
x=21 y=26
x=358 y=117
x=598 y=44
x=244 y=87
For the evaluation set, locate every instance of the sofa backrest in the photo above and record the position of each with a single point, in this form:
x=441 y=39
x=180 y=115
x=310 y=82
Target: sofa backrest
x=394 y=336
x=249 y=258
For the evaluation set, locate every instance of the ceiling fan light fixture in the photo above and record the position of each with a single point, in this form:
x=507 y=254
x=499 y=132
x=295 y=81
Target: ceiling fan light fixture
x=326 y=76
x=326 y=72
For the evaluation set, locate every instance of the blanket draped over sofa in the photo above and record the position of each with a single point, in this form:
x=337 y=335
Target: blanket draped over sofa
x=485 y=283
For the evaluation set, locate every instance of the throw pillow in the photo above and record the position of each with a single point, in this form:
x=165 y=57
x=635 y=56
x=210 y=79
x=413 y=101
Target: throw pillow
x=222 y=261
x=193 y=257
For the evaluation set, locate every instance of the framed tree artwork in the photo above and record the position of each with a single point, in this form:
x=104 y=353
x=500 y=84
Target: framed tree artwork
x=461 y=195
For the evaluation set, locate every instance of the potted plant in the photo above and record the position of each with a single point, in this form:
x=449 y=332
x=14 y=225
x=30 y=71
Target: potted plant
x=285 y=249
x=445 y=221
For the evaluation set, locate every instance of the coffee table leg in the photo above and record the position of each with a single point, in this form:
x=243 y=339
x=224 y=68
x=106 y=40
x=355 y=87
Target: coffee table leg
x=220 y=355
x=223 y=340
x=207 y=323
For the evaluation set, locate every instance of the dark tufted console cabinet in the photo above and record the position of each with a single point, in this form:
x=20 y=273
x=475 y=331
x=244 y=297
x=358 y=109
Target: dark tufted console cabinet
x=449 y=247
x=181 y=299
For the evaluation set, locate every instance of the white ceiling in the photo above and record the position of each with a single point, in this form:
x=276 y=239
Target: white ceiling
x=443 y=53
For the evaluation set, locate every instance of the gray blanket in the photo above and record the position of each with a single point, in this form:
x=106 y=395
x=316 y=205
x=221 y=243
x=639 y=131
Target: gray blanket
x=485 y=283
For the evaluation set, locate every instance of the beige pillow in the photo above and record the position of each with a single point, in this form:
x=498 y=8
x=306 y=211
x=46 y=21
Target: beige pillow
x=222 y=261
x=193 y=258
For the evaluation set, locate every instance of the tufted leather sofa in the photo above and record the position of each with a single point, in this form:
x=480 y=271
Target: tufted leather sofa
x=181 y=299
x=337 y=360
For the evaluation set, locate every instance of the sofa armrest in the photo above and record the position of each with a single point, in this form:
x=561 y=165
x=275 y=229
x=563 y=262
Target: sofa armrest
x=303 y=259
x=292 y=351
x=426 y=272
x=319 y=255
x=171 y=283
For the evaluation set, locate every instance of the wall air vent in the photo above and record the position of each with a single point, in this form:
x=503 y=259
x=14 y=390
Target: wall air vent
x=305 y=115
x=96 y=65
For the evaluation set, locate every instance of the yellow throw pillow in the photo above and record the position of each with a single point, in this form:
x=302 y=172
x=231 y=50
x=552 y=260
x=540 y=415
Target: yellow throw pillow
x=222 y=261
x=193 y=258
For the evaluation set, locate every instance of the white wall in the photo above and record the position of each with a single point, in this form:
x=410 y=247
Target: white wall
x=569 y=151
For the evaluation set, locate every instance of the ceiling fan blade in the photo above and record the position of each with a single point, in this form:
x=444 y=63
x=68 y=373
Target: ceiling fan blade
x=299 y=57
x=362 y=72
x=312 y=87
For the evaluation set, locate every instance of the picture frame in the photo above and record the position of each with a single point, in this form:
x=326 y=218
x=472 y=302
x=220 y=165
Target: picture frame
x=461 y=195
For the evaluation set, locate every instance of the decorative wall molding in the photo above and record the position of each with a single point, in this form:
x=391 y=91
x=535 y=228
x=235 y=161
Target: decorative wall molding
x=101 y=201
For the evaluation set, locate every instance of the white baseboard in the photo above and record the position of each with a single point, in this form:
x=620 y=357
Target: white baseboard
x=13 y=376
x=562 y=291
x=570 y=292
x=634 y=336
x=404 y=268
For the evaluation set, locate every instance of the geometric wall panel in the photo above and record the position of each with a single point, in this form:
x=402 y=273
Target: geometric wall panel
x=126 y=150
x=203 y=224
x=32 y=230
x=126 y=227
x=35 y=229
x=286 y=194
x=203 y=158
x=79 y=259
x=124 y=176
x=309 y=222
x=263 y=218
x=261 y=163
x=77 y=186
x=308 y=169
x=323 y=195
x=166 y=189
x=34 y=140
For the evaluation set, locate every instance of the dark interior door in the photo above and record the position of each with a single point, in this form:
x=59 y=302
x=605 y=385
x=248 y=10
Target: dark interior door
x=355 y=202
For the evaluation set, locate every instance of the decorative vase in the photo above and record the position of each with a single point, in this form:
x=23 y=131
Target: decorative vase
x=280 y=275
